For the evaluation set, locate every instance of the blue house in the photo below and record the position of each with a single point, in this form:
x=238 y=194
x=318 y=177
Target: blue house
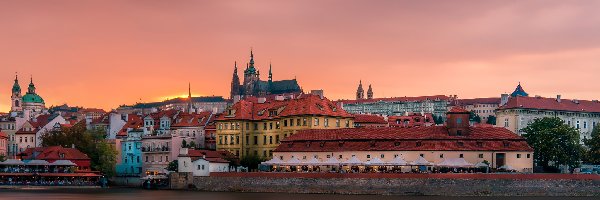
x=131 y=153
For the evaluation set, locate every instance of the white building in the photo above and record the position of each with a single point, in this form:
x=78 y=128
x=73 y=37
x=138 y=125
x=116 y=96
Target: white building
x=202 y=162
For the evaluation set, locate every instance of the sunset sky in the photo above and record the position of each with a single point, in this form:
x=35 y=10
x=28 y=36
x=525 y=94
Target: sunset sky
x=105 y=53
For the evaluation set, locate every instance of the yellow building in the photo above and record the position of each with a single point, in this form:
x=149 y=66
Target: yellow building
x=255 y=126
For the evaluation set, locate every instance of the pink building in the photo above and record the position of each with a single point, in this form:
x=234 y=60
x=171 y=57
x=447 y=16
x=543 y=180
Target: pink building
x=3 y=143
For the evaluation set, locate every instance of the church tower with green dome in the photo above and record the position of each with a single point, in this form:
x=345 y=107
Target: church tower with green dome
x=16 y=99
x=32 y=103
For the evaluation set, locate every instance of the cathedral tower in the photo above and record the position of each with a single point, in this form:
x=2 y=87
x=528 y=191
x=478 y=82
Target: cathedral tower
x=235 y=83
x=370 y=92
x=360 y=93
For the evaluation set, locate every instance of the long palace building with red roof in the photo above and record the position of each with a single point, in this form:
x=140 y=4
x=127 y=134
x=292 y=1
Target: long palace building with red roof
x=457 y=141
x=518 y=109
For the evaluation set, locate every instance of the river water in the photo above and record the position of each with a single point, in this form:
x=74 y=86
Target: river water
x=130 y=194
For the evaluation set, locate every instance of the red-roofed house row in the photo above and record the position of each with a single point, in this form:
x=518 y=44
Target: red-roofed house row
x=255 y=126
x=456 y=140
x=54 y=153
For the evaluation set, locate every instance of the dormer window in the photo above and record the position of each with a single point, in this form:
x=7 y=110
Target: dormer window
x=419 y=143
x=479 y=144
x=396 y=143
x=460 y=144
x=506 y=143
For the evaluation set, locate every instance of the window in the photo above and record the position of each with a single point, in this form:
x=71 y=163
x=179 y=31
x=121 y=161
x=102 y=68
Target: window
x=584 y=125
x=255 y=126
x=577 y=126
x=368 y=156
x=265 y=126
x=337 y=123
x=418 y=144
x=265 y=139
x=291 y=122
x=316 y=122
x=303 y=157
x=518 y=155
x=506 y=123
x=285 y=122
x=528 y=155
x=382 y=156
x=422 y=155
x=146 y=158
x=220 y=139
x=441 y=155
x=247 y=140
x=461 y=156
x=480 y=155
x=298 y=122
x=255 y=140
x=347 y=123
x=271 y=126
x=277 y=126
x=326 y=122
x=237 y=139
x=340 y=157
x=277 y=139
x=328 y=156
x=304 y=121
x=247 y=126
x=270 y=139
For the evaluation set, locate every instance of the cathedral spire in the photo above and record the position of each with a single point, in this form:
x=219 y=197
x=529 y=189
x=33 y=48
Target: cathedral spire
x=270 y=73
x=31 y=88
x=190 y=105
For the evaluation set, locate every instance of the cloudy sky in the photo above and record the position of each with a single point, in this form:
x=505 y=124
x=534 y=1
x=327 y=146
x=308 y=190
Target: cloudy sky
x=106 y=53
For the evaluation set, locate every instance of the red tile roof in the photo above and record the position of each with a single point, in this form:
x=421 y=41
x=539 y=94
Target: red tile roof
x=210 y=155
x=542 y=103
x=433 y=138
x=360 y=118
x=490 y=100
x=133 y=121
x=411 y=120
x=398 y=99
x=53 y=153
x=458 y=109
x=306 y=104
x=192 y=120
x=3 y=134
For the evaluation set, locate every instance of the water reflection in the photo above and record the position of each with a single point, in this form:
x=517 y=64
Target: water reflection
x=115 y=194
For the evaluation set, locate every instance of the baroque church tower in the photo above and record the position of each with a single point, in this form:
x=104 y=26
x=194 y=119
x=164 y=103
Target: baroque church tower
x=16 y=98
x=360 y=93
x=370 y=92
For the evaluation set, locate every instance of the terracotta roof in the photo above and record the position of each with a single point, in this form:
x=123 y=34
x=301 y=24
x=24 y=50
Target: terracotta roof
x=3 y=134
x=53 y=153
x=133 y=121
x=458 y=109
x=360 y=118
x=192 y=120
x=398 y=99
x=306 y=104
x=433 y=138
x=542 y=103
x=210 y=155
x=491 y=100
x=411 y=120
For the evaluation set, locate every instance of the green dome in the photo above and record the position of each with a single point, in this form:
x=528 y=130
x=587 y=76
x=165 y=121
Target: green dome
x=32 y=98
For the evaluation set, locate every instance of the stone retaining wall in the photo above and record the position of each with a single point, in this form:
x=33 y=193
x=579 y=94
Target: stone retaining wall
x=394 y=186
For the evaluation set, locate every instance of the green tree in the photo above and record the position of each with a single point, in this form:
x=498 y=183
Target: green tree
x=183 y=144
x=173 y=166
x=192 y=145
x=2 y=157
x=251 y=161
x=90 y=142
x=491 y=120
x=593 y=145
x=474 y=117
x=553 y=141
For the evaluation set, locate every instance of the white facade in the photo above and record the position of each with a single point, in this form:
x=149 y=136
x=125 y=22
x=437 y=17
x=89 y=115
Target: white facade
x=116 y=123
x=200 y=167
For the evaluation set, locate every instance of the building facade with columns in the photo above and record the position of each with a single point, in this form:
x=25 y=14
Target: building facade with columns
x=396 y=106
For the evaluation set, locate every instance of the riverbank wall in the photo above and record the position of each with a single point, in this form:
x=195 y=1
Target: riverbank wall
x=395 y=184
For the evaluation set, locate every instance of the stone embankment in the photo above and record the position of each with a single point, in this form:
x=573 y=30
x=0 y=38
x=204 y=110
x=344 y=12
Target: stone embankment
x=396 y=184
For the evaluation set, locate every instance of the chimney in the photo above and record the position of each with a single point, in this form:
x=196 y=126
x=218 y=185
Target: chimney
x=503 y=99
x=558 y=98
x=279 y=98
x=183 y=151
x=262 y=100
